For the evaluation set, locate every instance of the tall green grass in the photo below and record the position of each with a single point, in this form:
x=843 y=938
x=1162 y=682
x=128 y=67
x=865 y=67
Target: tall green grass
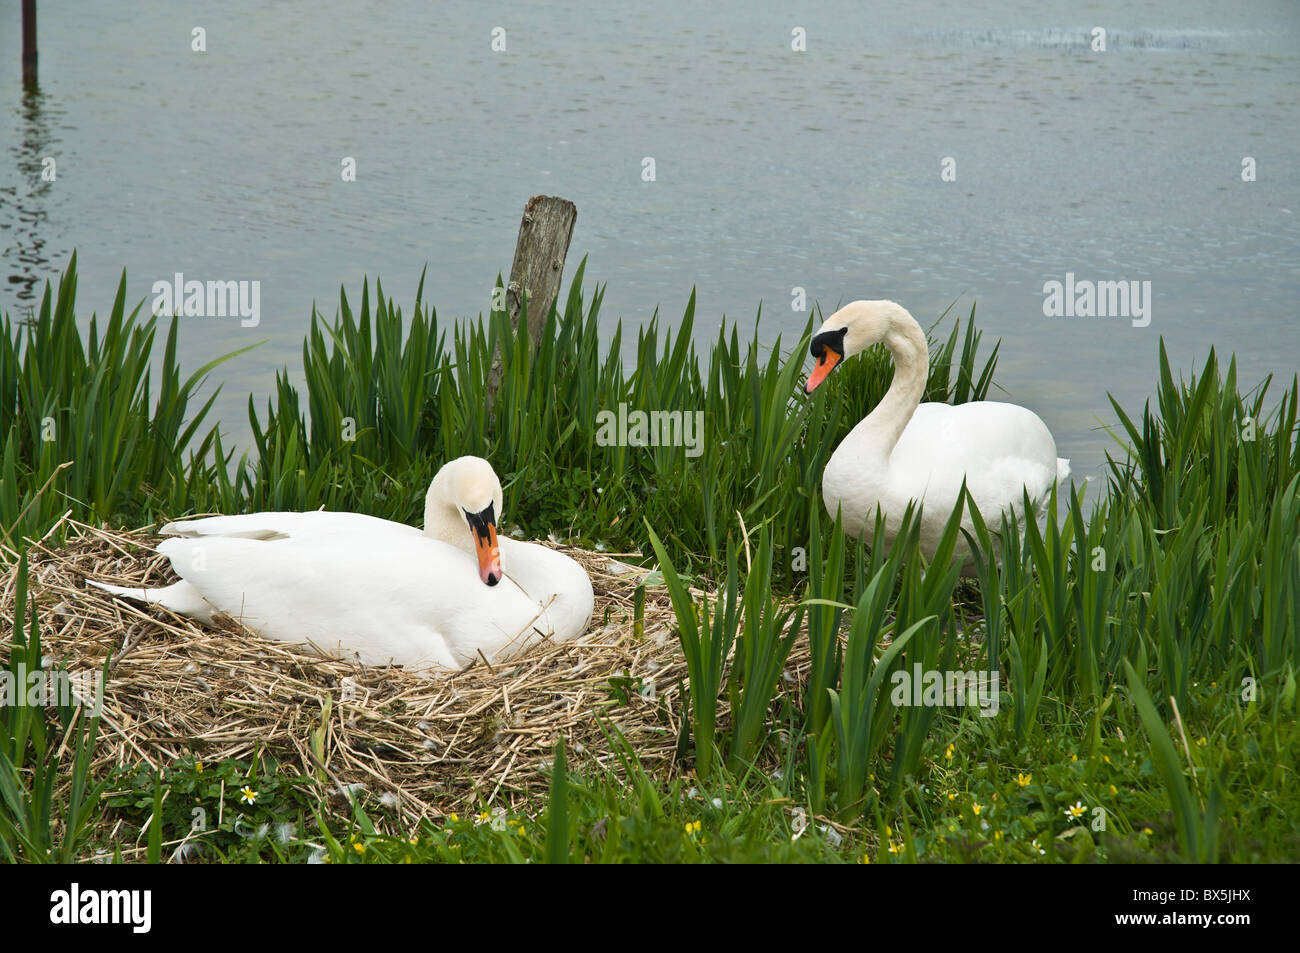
x=48 y=800
x=76 y=425
x=1184 y=573
x=389 y=396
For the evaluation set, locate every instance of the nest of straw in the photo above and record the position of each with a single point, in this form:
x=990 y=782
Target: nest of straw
x=442 y=742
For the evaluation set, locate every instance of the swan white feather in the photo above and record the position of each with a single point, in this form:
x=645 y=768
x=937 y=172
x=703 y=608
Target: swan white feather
x=376 y=590
x=906 y=451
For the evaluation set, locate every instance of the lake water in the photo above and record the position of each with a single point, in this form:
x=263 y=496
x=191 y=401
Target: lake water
x=774 y=169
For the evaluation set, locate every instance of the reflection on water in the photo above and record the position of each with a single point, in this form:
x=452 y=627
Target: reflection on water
x=30 y=253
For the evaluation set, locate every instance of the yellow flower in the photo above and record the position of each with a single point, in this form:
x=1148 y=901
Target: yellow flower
x=976 y=808
x=1024 y=779
x=198 y=767
x=247 y=795
x=1106 y=758
x=1074 y=757
x=997 y=835
x=453 y=817
x=483 y=817
x=359 y=848
x=889 y=831
x=1201 y=740
x=1147 y=830
x=948 y=754
x=415 y=842
x=692 y=827
x=866 y=859
x=1114 y=790
x=895 y=848
x=952 y=796
x=1071 y=813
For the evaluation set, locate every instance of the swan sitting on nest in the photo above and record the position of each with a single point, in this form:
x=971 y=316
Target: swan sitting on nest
x=379 y=591
x=905 y=451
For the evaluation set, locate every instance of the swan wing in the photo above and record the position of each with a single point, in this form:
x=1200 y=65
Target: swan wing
x=300 y=526
x=1000 y=450
x=553 y=580
x=415 y=602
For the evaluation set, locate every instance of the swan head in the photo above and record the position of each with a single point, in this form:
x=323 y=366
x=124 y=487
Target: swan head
x=849 y=331
x=463 y=508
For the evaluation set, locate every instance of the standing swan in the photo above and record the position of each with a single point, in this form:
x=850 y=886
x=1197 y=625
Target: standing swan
x=380 y=591
x=905 y=450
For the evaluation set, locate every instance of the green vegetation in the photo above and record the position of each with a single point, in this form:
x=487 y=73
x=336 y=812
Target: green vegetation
x=47 y=799
x=416 y=399
x=1146 y=648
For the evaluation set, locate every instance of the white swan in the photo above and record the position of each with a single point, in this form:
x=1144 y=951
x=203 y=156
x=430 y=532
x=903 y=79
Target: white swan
x=905 y=450
x=376 y=590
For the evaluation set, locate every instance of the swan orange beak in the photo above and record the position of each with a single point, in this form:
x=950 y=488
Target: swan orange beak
x=483 y=526
x=825 y=364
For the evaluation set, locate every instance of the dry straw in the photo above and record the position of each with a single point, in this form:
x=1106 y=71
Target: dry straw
x=483 y=735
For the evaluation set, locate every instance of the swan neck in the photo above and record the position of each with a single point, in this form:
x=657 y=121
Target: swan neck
x=442 y=521
x=906 y=342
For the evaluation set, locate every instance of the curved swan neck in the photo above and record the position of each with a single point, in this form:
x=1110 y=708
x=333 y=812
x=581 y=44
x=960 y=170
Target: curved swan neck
x=442 y=517
x=906 y=342
x=443 y=522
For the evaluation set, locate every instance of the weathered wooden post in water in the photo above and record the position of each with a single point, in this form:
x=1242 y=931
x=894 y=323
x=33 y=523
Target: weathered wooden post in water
x=29 y=42
x=535 y=275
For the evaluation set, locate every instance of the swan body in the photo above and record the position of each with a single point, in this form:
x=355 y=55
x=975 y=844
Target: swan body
x=906 y=451
x=379 y=591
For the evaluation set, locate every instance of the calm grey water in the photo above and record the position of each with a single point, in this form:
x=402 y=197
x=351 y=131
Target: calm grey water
x=775 y=169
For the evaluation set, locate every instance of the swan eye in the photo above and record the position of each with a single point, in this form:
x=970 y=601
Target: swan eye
x=828 y=339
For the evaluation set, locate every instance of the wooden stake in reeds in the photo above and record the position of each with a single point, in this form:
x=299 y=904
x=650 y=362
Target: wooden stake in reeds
x=540 y=250
x=535 y=275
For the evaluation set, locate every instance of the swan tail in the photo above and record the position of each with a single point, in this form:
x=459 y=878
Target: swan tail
x=181 y=598
x=1062 y=469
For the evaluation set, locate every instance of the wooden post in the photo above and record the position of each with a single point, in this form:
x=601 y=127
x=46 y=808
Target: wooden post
x=29 y=42
x=540 y=251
